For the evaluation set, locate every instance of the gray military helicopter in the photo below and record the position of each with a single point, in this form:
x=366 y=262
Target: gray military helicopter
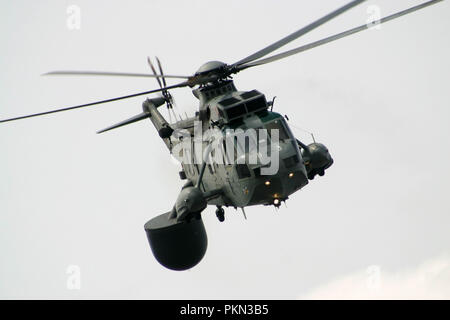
x=178 y=238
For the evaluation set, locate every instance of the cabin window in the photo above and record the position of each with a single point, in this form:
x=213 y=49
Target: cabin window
x=243 y=171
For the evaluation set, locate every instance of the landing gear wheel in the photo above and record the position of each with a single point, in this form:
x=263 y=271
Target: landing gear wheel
x=220 y=214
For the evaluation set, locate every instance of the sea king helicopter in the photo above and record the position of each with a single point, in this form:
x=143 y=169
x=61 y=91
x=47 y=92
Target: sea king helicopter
x=178 y=238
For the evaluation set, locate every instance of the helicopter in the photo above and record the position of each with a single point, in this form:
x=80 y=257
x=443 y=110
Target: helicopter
x=234 y=152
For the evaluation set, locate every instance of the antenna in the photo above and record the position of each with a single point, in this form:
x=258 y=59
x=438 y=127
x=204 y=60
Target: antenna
x=272 y=103
x=296 y=127
x=243 y=212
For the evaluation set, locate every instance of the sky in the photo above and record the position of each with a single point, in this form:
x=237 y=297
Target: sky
x=73 y=203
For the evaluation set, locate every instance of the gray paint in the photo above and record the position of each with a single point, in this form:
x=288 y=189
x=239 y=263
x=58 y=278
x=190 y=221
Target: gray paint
x=379 y=96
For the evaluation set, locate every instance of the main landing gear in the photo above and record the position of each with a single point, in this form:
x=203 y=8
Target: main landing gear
x=220 y=214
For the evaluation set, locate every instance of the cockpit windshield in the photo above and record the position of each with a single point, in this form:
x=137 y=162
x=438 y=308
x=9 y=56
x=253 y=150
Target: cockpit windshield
x=276 y=125
x=251 y=136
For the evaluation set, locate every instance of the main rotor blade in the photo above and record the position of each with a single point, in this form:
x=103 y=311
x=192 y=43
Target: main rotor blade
x=139 y=117
x=167 y=94
x=102 y=73
x=336 y=36
x=298 y=33
x=154 y=72
x=161 y=71
x=182 y=84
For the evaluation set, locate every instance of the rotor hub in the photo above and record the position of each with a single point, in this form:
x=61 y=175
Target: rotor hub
x=210 y=66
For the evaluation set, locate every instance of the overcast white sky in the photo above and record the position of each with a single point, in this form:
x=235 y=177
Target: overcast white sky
x=379 y=100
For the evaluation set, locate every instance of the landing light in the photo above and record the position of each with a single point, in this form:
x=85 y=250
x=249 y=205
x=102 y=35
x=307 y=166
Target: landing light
x=291 y=175
x=276 y=202
x=267 y=183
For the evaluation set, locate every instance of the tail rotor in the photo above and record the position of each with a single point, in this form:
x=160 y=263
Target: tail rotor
x=161 y=79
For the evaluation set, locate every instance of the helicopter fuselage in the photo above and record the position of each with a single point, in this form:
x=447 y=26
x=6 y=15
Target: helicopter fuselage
x=245 y=184
x=241 y=182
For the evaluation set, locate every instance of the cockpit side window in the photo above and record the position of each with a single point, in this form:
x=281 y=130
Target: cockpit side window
x=243 y=171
